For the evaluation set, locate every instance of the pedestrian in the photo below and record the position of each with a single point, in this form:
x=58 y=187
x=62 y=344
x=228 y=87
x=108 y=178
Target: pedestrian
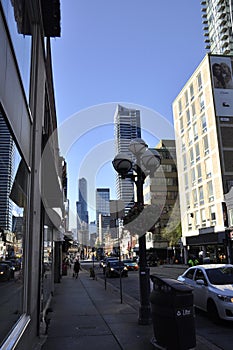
x=76 y=268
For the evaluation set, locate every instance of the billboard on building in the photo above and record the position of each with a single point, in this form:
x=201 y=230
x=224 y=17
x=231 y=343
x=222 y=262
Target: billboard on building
x=222 y=82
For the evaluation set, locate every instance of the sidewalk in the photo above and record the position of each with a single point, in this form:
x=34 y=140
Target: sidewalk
x=88 y=316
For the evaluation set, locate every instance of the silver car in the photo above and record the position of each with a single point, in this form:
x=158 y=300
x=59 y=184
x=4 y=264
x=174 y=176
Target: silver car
x=212 y=289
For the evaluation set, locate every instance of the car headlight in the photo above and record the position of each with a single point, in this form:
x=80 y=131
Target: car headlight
x=225 y=298
x=112 y=269
x=1 y=272
x=125 y=268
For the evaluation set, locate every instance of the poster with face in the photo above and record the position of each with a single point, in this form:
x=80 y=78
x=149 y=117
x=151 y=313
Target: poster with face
x=222 y=82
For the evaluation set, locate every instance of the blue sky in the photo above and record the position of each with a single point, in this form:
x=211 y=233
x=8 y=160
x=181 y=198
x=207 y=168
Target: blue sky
x=131 y=52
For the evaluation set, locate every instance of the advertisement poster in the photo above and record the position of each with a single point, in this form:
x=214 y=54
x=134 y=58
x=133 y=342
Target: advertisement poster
x=221 y=69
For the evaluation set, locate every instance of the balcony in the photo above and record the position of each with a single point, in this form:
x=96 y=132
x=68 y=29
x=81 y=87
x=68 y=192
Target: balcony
x=224 y=36
x=225 y=44
x=222 y=15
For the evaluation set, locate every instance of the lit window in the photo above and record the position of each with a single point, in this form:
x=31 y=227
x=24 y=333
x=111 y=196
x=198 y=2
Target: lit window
x=210 y=191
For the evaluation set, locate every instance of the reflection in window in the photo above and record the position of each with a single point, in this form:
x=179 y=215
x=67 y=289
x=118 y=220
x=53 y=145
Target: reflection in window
x=230 y=216
x=191 y=154
x=21 y=43
x=186 y=96
x=203 y=123
x=191 y=91
x=194 y=193
x=199 y=81
x=186 y=181
x=197 y=218
x=13 y=184
x=181 y=125
x=208 y=167
x=193 y=176
x=210 y=191
x=213 y=214
x=201 y=195
x=187 y=196
x=199 y=176
x=188 y=119
x=197 y=150
x=180 y=107
x=206 y=144
x=47 y=266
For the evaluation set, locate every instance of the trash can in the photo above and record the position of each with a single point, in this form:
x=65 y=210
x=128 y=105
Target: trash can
x=172 y=314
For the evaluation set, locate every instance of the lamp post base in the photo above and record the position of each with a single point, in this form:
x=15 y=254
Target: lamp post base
x=144 y=317
x=144 y=309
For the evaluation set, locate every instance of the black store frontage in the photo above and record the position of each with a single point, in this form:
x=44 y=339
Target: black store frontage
x=213 y=247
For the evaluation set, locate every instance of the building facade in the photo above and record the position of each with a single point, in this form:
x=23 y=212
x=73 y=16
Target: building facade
x=127 y=126
x=6 y=175
x=203 y=121
x=162 y=190
x=102 y=213
x=217 y=26
x=82 y=204
x=35 y=194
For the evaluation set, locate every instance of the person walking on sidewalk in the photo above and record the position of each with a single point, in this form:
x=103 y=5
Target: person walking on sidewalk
x=76 y=268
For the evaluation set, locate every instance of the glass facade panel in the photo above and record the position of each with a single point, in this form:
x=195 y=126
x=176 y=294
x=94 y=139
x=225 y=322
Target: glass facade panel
x=21 y=44
x=13 y=184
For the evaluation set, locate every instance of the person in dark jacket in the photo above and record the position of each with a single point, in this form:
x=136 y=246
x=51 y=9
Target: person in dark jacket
x=76 y=268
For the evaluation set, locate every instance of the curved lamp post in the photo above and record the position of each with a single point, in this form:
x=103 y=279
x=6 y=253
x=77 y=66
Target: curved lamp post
x=147 y=162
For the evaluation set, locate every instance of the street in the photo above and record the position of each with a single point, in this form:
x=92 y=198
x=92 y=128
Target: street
x=221 y=335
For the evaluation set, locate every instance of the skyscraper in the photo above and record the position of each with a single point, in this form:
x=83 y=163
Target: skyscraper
x=102 y=211
x=217 y=21
x=82 y=213
x=127 y=126
x=6 y=175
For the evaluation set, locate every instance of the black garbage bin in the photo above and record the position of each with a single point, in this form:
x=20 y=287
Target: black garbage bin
x=172 y=314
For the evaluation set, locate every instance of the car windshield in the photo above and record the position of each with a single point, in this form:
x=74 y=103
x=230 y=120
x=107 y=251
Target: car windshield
x=221 y=275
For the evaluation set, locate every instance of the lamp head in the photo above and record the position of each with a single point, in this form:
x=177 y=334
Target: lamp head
x=122 y=163
x=137 y=146
x=151 y=159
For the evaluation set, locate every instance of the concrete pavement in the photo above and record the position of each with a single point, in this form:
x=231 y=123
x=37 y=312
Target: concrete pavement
x=86 y=316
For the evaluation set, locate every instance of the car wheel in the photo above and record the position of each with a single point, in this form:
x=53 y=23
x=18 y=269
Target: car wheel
x=213 y=311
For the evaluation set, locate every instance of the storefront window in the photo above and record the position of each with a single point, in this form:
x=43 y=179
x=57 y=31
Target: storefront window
x=47 y=265
x=13 y=211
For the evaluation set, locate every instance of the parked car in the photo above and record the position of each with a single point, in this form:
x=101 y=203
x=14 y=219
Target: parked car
x=11 y=265
x=5 y=272
x=212 y=289
x=131 y=265
x=16 y=263
x=152 y=259
x=104 y=262
x=116 y=268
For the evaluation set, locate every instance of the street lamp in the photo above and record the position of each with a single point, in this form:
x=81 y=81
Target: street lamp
x=147 y=162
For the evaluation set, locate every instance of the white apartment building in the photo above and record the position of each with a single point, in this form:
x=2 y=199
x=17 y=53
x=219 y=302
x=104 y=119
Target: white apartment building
x=217 y=26
x=203 y=121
